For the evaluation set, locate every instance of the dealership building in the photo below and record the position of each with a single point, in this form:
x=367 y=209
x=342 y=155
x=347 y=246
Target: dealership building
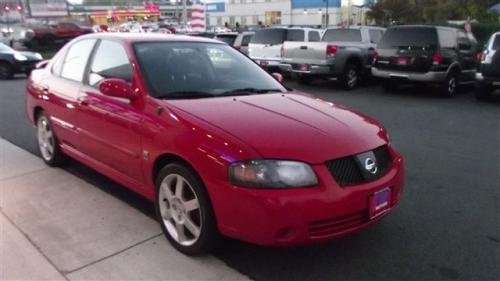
x=284 y=12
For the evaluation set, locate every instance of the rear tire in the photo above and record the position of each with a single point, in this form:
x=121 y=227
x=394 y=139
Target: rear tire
x=450 y=85
x=184 y=210
x=351 y=77
x=483 y=92
x=48 y=144
x=6 y=71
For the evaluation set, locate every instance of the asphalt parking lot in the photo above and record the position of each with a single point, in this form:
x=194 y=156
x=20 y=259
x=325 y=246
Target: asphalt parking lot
x=445 y=228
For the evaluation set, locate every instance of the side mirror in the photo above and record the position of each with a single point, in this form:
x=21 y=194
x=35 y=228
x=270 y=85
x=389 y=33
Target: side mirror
x=42 y=64
x=278 y=77
x=117 y=88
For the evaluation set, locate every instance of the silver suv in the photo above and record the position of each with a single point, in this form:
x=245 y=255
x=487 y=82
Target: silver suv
x=488 y=75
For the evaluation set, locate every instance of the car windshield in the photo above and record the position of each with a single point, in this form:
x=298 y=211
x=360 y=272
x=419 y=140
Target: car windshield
x=343 y=35
x=199 y=70
x=408 y=37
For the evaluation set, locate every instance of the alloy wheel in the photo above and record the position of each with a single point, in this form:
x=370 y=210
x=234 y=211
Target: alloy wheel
x=352 y=78
x=46 y=140
x=180 y=209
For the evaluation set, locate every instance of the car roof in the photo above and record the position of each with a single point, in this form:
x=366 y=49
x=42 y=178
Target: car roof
x=149 y=37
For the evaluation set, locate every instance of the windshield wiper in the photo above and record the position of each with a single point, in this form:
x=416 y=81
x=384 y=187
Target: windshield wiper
x=247 y=91
x=186 y=95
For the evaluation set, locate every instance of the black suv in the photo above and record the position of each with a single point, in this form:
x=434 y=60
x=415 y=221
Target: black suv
x=440 y=55
x=488 y=76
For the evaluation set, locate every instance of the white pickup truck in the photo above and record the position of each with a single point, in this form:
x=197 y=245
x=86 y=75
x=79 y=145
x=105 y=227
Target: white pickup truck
x=265 y=45
x=344 y=53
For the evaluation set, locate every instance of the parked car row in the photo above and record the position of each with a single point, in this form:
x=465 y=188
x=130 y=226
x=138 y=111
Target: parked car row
x=443 y=56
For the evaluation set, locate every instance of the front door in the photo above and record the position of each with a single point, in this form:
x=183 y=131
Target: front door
x=110 y=126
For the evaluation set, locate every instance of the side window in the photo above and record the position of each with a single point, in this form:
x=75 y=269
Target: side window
x=314 y=36
x=57 y=66
x=76 y=59
x=464 y=43
x=246 y=40
x=375 y=35
x=496 y=43
x=110 y=61
x=295 y=35
x=447 y=39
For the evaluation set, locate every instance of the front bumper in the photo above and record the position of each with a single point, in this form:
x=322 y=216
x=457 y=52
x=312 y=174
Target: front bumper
x=430 y=76
x=323 y=70
x=306 y=215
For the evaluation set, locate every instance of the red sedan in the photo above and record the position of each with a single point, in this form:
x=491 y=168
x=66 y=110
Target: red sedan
x=220 y=146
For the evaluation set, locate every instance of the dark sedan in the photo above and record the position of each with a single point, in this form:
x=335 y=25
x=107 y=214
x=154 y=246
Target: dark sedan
x=12 y=61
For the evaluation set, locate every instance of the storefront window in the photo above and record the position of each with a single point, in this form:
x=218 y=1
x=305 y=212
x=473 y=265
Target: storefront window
x=273 y=18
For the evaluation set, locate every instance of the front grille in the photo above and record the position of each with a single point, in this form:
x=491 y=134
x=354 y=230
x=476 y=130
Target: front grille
x=348 y=170
x=335 y=226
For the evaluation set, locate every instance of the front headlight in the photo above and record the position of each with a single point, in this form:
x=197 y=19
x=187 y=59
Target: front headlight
x=20 y=57
x=38 y=56
x=272 y=174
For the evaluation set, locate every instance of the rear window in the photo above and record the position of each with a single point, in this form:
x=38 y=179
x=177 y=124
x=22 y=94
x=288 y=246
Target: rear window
x=269 y=36
x=496 y=43
x=346 y=35
x=417 y=37
x=228 y=39
x=295 y=35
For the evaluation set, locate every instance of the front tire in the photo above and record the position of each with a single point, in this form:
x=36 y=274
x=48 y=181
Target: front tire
x=184 y=210
x=47 y=142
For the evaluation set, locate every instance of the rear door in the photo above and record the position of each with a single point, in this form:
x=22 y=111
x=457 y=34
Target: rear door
x=407 y=49
x=61 y=94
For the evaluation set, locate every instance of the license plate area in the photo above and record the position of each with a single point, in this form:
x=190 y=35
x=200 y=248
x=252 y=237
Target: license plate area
x=379 y=202
x=302 y=67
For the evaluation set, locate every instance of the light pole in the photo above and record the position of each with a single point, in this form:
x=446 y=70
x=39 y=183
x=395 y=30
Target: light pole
x=327 y=16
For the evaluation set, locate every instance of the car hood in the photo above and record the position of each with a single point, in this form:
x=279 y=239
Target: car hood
x=30 y=55
x=288 y=126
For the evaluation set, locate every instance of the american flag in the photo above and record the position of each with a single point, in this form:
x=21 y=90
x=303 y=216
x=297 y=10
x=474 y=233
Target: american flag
x=198 y=23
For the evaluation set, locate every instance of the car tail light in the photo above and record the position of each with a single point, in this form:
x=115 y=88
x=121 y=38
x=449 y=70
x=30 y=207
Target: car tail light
x=437 y=59
x=481 y=56
x=331 y=50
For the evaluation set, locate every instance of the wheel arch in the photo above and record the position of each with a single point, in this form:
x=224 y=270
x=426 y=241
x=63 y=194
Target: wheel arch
x=36 y=111
x=454 y=68
x=167 y=158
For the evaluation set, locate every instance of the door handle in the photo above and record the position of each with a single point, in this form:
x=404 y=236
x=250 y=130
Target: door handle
x=303 y=47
